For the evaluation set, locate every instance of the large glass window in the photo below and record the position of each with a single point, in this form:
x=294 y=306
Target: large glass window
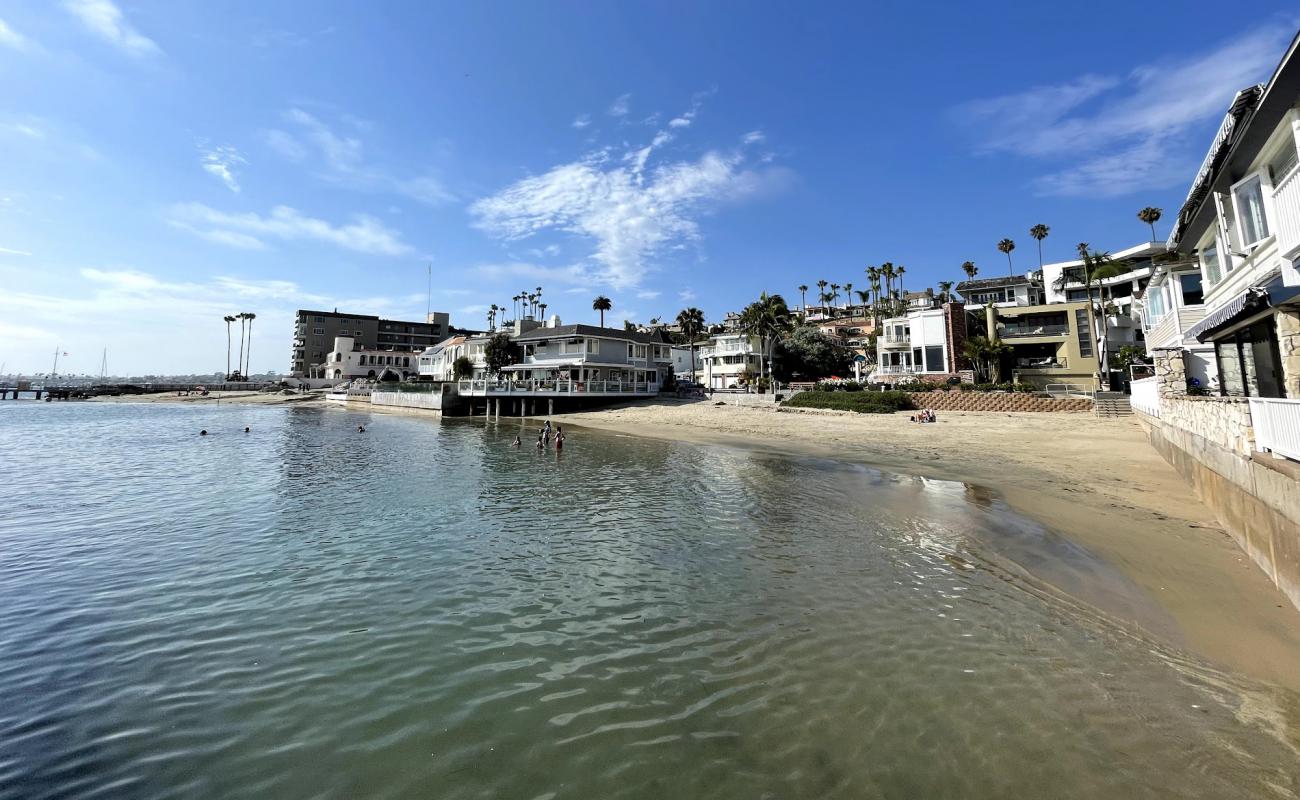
x=1210 y=263
x=1249 y=200
x=1085 y=335
x=934 y=358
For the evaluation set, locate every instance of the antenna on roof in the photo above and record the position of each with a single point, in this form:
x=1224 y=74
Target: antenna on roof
x=428 y=298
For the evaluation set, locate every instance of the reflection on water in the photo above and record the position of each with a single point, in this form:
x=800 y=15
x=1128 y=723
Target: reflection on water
x=423 y=611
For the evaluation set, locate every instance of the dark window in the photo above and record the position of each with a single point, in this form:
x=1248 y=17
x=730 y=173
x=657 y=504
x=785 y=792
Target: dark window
x=1085 y=334
x=916 y=358
x=1192 y=293
x=934 y=358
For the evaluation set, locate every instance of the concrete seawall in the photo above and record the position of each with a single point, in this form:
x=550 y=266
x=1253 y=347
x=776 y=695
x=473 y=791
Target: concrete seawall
x=425 y=401
x=1256 y=499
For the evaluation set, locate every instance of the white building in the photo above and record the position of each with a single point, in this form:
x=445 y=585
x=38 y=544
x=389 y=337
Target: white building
x=730 y=355
x=913 y=345
x=1172 y=304
x=683 y=360
x=1241 y=223
x=348 y=361
x=438 y=362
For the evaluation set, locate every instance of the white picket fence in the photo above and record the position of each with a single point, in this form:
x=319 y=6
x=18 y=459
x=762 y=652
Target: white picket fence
x=1145 y=396
x=1277 y=425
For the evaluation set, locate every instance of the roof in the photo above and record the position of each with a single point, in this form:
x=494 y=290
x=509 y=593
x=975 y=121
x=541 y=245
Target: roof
x=976 y=284
x=1253 y=116
x=588 y=330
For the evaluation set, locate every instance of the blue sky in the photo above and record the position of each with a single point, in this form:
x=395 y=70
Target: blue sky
x=165 y=163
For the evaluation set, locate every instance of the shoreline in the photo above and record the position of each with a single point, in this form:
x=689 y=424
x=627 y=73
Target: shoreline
x=1096 y=482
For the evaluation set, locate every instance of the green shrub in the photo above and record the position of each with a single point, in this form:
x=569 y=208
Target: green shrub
x=859 y=401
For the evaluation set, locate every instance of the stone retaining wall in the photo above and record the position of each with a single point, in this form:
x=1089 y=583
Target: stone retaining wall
x=1222 y=421
x=997 y=401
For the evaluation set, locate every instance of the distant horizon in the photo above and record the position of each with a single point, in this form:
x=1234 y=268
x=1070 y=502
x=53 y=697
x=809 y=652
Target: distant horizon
x=172 y=164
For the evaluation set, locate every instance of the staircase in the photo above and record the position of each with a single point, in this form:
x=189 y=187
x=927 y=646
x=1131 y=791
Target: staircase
x=1112 y=404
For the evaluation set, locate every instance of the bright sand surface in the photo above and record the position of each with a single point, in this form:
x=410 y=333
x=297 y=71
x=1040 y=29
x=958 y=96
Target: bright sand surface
x=1095 y=481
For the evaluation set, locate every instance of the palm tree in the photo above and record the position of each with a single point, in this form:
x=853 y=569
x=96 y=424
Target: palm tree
x=1040 y=232
x=1006 y=246
x=228 y=320
x=848 y=296
x=821 y=287
x=970 y=269
x=803 y=296
x=887 y=272
x=691 y=321
x=541 y=310
x=601 y=304
x=765 y=317
x=835 y=293
x=248 y=366
x=492 y=317
x=864 y=297
x=945 y=291
x=241 y=316
x=1150 y=215
x=1095 y=267
x=898 y=273
x=538 y=298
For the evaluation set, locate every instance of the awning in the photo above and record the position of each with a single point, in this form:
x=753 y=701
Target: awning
x=1252 y=301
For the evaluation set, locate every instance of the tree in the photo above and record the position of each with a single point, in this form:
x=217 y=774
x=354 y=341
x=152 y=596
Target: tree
x=228 y=320
x=899 y=271
x=601 y=304
x=499 y=353
x=1006 y=246
x=541 y=308
x=1040 y=232
x=970 y=269
x=242 y=317
x=864 y=297
x=985 y=356
x=1095 y=266
x=945 y=291
x=691 y=321
x=462 y=368
x=1150 y=215
x=766 y=317
x=628 y=325
x=821 y=287
x=248 y=366
x=803 y=296
x=807 y=353
x=848 y=295
x=492 y=317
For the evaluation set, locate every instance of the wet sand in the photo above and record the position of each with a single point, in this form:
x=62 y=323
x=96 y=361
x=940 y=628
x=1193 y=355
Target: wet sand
x=1095 y=481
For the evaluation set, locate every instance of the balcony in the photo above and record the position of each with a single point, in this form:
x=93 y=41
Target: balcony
x=1286 y=207
x=895 y=339
x=1036 y=364
x=1014 y=331
x=895 y=369
x=551 y=388
x=1169 y=329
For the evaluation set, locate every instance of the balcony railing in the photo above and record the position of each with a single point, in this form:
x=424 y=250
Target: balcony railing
x=551 y=387
x=896 y=339
x=1012 y=331
x=1277 y=425
x=895 y=369
x=1286 y=207
x=1169 y=329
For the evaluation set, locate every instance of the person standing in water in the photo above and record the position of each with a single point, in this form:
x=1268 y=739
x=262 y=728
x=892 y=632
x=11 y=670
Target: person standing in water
x=516 y=442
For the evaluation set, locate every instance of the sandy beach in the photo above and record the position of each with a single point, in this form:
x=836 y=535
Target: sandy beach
x=1095 y=481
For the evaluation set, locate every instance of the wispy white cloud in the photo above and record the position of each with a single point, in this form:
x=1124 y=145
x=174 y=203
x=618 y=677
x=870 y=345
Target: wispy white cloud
x=1112 y=134
x=364 y=234
x=629 y=212
x=621 y=106
x=104 y=19
x=686 y=295
x=12 y=38
x=679 y=122
x=338 y=158
x=581 y=121
x=221 y=162
x=648 y=295
x=23 y=128
x=753 y=137
x=10 y=252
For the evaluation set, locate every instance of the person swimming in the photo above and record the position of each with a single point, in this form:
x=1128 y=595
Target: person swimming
x=541 y=445
x=516 y=442
x=203 y=433
x=247 y=429
x=361 y=429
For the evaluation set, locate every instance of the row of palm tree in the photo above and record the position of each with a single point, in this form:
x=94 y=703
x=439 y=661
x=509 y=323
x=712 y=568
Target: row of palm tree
x=245 y=324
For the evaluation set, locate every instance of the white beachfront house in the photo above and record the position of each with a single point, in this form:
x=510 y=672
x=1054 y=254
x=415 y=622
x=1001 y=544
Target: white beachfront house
x=347 y=361
x=1169 y=308
x=438 y=362
x=1241 y=223
x=729 y=356
x=592 y=358
x=686 y=368
x=916 y=344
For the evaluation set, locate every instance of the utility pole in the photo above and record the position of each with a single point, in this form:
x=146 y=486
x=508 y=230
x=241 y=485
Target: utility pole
x=428 y=298
x=55 y=371
x=103 y=365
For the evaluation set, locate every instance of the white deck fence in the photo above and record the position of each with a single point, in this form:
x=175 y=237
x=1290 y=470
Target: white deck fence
x=553 y=387
x=1277 y=425
x=1145 y=396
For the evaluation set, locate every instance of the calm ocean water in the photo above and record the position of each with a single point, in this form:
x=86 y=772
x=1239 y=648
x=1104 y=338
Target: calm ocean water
x=305 y=611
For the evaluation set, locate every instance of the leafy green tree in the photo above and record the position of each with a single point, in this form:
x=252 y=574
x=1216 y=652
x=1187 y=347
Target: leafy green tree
x=462 y=368
x=500 y=353
x=985 y=355
x=806 y=353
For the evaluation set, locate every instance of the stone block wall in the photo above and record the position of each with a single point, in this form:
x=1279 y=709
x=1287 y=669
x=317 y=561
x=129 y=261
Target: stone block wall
x=1171 y=371
x=997 y=401
x=1288 y=342
x=1221 y=421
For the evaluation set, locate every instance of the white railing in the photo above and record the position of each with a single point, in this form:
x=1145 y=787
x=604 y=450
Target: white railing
x=897 y=338
x=895 y=369
x=1286 y=208
x=1277 y=425
x=1169 y=329
x=1069 y=389
x=564 y=386
x=1145 y=396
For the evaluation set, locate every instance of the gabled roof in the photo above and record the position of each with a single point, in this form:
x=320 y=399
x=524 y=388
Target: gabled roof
x=977 y=284
x=562 y=331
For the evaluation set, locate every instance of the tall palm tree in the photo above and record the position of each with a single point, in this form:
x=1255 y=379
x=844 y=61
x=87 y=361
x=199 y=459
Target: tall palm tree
x=241 y=316
x=492 y=317
x=1040 y=232
x=945 y=291
x=821 y=287
x=229 y=320
x=835 y=293
x=970 y=269
x=898 y=273
x=1150 y=215
x=887 y=272
x=766 y=317
x=1006 y=246
x=848 y=295
x=691 y=321
x=538 y=298
x=601 y=304
x=541 y=310
x=248 y=366
x=864 y=297
x=1095 y=267
x=803 y=296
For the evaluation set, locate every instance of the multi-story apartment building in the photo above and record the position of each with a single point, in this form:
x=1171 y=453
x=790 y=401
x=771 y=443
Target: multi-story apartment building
x=1241 y=223
x=728 y=357
x=1047 y=343
x=1117 y=296
x=591 y=354
x=315 y=331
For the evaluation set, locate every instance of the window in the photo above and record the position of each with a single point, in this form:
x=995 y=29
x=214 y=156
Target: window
x=1248 y=198
x=916 y=357
x=318 y=331
x=934 y=358
x=593 y=345
x=1191 y=286
x=1210 y=263
x=1281 y=165
x=1085 y=335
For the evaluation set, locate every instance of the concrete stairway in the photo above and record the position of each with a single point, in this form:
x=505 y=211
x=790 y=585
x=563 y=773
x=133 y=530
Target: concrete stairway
x=1112 y=404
